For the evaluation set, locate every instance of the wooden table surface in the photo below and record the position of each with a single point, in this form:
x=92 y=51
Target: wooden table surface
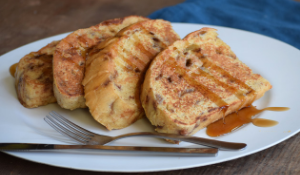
x=22 y=22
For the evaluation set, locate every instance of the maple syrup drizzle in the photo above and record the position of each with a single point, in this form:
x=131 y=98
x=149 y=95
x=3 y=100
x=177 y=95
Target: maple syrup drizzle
x=238 y=119
x=12 y=69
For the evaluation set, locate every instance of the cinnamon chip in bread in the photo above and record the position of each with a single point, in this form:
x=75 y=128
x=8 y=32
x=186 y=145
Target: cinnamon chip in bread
x=197 y=81
x=115 y=69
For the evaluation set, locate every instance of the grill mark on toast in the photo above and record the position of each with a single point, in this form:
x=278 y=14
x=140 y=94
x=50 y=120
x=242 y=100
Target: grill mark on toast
x=82 y=40
x=144 y=52
x=238 y=93
x=200 y=87
x=121 y=63
x=229 y=78
x=209 y=65
x=139 y=59
x=138 y=62
x=133 y=62
x=128 y=64
x=141 y=47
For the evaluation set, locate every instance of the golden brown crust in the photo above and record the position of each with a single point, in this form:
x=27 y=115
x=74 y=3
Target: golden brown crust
x=69 y=59
x=195 y=82
x=34 y=78
x=115 y=70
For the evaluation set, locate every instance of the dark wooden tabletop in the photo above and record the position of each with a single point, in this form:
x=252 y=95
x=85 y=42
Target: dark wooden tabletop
x=25 y=21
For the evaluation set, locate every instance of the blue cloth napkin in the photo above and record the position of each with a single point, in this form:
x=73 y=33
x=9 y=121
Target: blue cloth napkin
x=275 y=18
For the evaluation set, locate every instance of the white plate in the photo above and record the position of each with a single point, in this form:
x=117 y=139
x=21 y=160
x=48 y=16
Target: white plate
x=276 y=61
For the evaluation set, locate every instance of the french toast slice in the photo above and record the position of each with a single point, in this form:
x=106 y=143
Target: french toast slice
x=196 y=81
x=115 y=71
x=34 y=78
x=70 y=56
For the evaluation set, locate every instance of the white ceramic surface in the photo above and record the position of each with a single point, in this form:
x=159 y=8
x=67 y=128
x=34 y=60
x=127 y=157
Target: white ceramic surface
x=276 y=61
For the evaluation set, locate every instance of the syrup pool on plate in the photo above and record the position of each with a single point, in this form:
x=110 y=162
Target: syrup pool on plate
x=237 y=119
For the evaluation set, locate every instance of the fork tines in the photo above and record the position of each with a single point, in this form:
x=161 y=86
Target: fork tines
x=68 y=128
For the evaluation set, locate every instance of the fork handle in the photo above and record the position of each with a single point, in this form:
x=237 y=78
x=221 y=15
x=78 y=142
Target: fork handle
x=191 y=139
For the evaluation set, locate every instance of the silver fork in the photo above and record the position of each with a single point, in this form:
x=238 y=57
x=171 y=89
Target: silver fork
x=83 y=136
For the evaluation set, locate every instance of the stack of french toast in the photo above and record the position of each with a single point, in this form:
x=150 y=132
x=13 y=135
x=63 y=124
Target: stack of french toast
x=126 y=68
